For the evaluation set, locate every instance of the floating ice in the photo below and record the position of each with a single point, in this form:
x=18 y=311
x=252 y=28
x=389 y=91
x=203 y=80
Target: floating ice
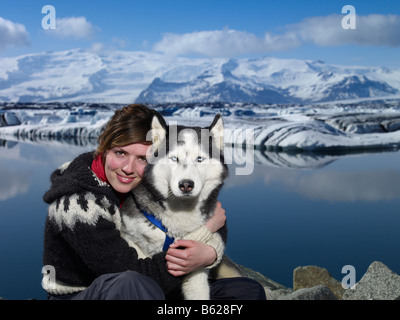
x=294 y=128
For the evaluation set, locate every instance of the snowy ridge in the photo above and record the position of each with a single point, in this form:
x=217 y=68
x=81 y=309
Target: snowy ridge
x=126 y=77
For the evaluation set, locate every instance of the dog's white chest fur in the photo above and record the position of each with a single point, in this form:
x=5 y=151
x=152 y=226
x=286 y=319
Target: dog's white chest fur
x=140 y=233
x=149 y=239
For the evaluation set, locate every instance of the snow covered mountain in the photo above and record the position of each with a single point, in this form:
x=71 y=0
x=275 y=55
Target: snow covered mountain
x=126 y=77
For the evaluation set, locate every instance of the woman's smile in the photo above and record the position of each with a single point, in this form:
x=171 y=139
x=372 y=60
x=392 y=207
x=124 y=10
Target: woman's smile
x=124 y=179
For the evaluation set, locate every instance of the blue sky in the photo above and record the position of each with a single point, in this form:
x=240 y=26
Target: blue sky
x=286 y=28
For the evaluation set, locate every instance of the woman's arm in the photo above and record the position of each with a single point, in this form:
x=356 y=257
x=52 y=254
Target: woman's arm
x=97 y=246
x=217 y=221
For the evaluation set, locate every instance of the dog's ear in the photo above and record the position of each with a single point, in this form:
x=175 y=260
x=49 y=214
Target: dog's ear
x=217 y=131
x=158 y=130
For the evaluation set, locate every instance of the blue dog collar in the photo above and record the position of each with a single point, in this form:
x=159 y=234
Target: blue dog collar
x=168 y=240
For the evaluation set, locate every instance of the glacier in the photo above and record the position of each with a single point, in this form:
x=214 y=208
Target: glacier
x=317 y=128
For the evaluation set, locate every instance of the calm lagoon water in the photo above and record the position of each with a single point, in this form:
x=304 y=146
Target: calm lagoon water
x=330 y=212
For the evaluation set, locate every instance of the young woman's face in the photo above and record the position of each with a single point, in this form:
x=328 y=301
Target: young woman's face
x=124 y=166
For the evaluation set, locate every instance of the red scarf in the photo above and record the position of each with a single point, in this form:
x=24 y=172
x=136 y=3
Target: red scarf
x=98 y=169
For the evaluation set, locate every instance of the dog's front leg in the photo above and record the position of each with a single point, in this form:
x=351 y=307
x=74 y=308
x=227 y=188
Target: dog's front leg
x=195 y=286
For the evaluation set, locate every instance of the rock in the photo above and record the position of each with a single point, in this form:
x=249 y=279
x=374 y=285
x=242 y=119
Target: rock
x=279 y=294
x=315 y=283
x=378 y=283
x=232 y=269
x=311 y=276
x=319 y=292
x=265 y=281
x=272 y=289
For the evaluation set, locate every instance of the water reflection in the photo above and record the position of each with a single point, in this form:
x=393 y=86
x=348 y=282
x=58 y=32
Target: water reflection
x=240 y=157
x=296 y=172
x=331 y=184
x=52 y=153
x=13 y=181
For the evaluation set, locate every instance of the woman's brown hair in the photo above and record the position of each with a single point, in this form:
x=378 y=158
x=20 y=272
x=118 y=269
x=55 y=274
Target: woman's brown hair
x=128 y=125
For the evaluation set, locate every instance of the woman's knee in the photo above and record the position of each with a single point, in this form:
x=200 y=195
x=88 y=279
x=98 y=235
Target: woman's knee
x=237 y=288
x=127 y=285
x=134 y=285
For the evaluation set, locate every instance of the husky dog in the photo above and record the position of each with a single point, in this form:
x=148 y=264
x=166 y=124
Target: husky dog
x=184 y=174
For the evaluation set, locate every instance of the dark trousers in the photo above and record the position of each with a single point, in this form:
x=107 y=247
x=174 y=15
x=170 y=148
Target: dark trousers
x=130 y=285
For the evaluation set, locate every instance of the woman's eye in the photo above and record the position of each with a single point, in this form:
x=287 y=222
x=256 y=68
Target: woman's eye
x=119 y=152
x=143 y=159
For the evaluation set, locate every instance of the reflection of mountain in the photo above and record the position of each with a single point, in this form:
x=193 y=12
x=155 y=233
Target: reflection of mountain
x=360 y=181
x=293 y=160
x=244 y=160
x=350 y=186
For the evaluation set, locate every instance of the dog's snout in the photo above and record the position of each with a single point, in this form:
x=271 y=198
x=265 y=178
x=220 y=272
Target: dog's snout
x=186 y=186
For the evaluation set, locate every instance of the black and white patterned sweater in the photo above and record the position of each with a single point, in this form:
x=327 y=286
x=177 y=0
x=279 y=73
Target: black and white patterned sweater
x=82 y=233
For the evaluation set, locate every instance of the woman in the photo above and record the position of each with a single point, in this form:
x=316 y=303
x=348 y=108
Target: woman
x=82 y=239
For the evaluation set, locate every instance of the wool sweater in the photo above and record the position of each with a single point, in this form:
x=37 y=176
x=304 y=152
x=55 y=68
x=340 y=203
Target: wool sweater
x=82 y=232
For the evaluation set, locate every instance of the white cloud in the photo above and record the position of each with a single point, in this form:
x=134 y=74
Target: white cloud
x=12 y=34
x=224 y=42
x=121 y=43
x=374 y=30
x=73 y=27
x=97 y=47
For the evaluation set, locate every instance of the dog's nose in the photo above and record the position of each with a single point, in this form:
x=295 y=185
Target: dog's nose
x=186 y=186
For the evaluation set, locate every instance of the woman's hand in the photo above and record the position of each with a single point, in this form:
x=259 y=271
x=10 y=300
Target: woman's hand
x=217 y=221
x=193 y=256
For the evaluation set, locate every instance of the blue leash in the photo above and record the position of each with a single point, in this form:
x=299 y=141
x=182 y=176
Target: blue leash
x=168 y=240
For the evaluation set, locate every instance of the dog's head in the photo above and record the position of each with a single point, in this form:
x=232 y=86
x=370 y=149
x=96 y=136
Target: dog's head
x=186 y=161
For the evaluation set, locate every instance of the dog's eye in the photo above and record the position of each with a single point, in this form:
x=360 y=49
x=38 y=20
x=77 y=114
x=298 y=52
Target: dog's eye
x=200 y=159
x=174 y=159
